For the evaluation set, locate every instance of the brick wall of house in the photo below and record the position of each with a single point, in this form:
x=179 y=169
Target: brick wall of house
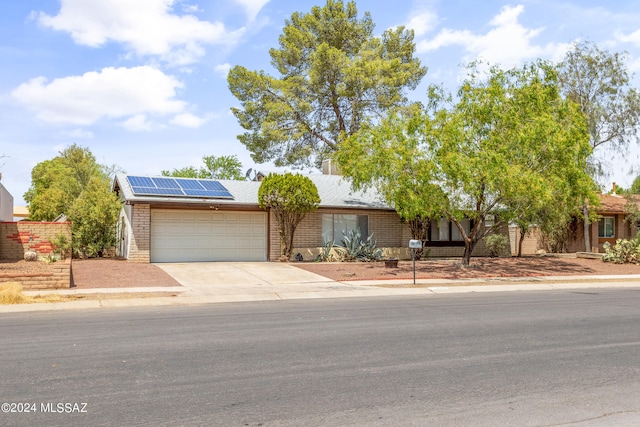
x=622 y=230
x=385 y=226
x=139 y=245
x=391 y=234
x=16 y=238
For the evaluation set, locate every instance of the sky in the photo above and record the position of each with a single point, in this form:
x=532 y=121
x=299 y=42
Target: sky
x=142 y=83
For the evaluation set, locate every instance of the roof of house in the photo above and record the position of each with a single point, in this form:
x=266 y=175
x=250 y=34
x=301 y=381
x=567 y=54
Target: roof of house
x=612 y=204
x=334 y=192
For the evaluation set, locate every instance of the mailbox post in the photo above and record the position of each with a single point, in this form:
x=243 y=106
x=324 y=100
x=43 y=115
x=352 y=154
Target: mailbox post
x=413 y=245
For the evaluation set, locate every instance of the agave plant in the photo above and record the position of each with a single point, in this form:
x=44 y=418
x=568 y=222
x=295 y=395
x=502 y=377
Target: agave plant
x=356 y=249
x=325 y=254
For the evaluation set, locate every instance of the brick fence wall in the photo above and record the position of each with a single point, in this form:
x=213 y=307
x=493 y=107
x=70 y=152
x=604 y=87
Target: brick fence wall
x=16 y=238
x=58 y=276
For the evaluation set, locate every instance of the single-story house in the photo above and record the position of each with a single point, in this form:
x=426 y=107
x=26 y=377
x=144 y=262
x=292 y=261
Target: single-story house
x=610 y=226
x=168 y=219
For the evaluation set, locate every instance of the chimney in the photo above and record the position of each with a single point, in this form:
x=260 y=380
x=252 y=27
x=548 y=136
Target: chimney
x=613 y=190
x=330 y=167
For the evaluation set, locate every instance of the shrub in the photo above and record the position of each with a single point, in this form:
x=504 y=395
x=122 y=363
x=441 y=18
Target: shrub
x=62 y=246
x=496 y=244
x=623 y=252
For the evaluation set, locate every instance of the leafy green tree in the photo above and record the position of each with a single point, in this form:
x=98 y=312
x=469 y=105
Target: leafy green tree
x=50 y=193
x=635 y=186
x=187 y=172
x=75 y=185
x=222 y=167
x=94 y=215
x=507 y=141
x=391 y=157
x=598 y=81
x=289 y=197
x=56 y=183
x=334 y=74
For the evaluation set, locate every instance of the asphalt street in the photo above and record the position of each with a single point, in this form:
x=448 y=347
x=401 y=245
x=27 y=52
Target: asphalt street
x=524 y=358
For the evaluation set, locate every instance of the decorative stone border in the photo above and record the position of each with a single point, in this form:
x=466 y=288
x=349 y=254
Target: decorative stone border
x=590 y=255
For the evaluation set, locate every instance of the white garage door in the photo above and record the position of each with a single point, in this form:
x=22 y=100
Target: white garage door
x=180 y=235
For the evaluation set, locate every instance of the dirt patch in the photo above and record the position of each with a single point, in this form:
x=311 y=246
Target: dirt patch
x=99 y=273
x=480 y=268
x=118 y=273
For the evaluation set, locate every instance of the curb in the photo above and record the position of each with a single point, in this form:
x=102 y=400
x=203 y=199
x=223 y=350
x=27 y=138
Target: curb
x=358 y=288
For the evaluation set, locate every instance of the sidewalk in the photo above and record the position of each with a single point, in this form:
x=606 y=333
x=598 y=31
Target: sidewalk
x=323 y=288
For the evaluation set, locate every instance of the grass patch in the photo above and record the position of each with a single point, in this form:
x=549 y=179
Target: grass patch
x=11 y=293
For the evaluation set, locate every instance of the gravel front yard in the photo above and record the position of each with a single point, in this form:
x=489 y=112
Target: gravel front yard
x=480 y=268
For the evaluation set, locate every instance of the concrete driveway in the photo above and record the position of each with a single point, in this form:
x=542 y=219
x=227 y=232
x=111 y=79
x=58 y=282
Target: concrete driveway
x=248 y=281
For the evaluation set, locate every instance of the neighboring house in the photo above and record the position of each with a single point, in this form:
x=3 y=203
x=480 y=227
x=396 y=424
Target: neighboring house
x=610 y=226
x=6 y=205
x=182 y=220
x=20 y=213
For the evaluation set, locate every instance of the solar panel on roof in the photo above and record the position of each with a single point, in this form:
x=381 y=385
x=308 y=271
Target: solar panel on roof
x=148 y=191
x=178 y=187
x=208 y=193
x=165 y=182
x=140 y=181
x=212 y=185
x=192 y=184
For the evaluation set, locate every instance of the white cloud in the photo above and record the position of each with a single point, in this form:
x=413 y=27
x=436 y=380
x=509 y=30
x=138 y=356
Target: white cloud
x=145 y=27
x=187 y=120
x=138 y=123
x=222 y=70
x=191 y=8
x=422 y=23
x=110 y=93
x=252 y=7
x=508 y=43
x=633 y=37
x=78 y=134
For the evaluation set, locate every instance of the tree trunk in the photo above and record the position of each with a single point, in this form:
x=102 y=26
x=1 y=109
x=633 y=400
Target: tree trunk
x=285 y=252
x=419 y=229
x=468 y=248
x=520 y=241
x=587 y=231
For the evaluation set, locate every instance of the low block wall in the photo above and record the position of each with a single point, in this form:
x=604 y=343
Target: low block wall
x=58 y=276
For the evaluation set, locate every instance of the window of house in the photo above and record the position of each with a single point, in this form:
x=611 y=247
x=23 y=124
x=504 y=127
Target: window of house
x=442 y=230
x=456 y=236
x=336 y=226
x=606 y=227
